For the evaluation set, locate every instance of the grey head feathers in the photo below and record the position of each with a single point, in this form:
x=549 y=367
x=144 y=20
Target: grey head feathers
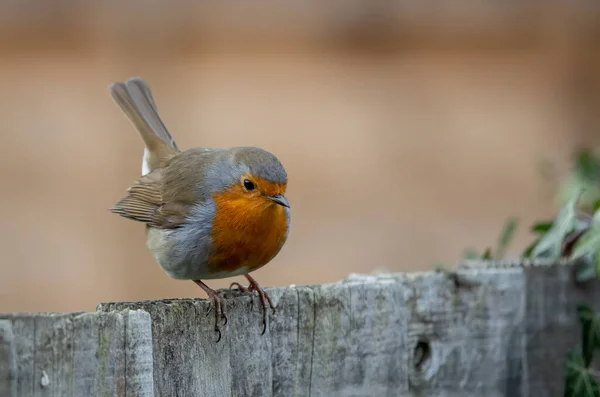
x=227 y=166
x=260 y=163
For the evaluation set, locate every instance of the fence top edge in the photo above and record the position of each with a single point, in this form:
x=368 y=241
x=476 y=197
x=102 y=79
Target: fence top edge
x=463 y=268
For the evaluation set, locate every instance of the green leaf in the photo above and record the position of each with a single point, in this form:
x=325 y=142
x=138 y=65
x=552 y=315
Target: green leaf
x=588 y=249
x=590 y=332
x=579 y=382
x=596 y=206
x=588 y=243
x=584 y=180
x=529 y=250
x=551 y=243
x=587 y=165
x=507 y=235
x=541 y=227
x=487 y=254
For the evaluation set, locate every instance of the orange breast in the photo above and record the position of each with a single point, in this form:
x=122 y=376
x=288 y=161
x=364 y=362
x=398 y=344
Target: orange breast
x=247 y=232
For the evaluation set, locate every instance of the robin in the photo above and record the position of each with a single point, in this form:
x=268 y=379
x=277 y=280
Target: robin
x=210 y=213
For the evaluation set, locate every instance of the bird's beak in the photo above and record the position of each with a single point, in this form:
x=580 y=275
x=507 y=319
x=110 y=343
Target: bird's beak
x=279 y=199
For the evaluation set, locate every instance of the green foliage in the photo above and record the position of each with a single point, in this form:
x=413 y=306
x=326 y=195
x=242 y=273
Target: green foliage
x=487 y=254
x=567 y=236
x=551 y=243
x=580 y=380
x=587 y=248
x=540 y=229
x=590 y=332
x=585 y=178
x=596 y=206
x=506 y=237
x=573 y=234
x=578 y=239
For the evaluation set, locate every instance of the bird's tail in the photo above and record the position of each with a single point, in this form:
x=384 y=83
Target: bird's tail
x=135 y=99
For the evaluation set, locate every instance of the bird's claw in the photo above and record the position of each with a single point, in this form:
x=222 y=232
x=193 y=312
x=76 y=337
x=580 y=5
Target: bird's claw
x=219 y=312
x=262 y=295
x=218 y=305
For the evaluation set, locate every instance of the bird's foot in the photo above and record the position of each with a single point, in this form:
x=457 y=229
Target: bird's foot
x=262 y=295
x=219 y=306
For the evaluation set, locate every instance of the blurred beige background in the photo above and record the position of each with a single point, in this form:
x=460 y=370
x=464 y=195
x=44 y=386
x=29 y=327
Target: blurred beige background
x=409 y=129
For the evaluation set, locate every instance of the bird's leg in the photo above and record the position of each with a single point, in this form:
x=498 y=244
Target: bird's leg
x=219 y=305
x=263 y=296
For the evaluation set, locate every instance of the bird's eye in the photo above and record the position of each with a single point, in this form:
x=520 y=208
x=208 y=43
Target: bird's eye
x=248 y=185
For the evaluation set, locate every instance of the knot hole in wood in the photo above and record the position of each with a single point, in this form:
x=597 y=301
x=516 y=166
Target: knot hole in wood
x=421 y=354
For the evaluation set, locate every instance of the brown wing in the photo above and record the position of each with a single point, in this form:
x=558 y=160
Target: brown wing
x=163 y=197
x=144 y=203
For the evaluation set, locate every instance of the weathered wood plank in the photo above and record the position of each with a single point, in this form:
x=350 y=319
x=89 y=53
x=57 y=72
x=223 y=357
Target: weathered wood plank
x=88 y=354
x=357 y=337
x=8 y=360
x=473 y=330
x=552 y=325
x=242 y=362
x=482 y=330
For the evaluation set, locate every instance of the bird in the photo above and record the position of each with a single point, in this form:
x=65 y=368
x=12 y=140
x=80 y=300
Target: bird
x=209 y=213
